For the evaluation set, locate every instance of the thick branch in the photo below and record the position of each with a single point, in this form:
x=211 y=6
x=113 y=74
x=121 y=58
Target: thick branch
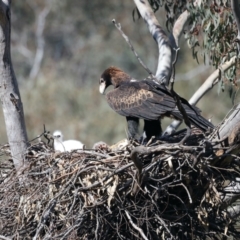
x=9 y=92
x=118 y=26
x=212 y=80
x=234 y=211
x=230 y=123
x=41 y=19
x=180 y=24
x=179 y=27
x=231 y=193
x=5 y=238
x=164 y=69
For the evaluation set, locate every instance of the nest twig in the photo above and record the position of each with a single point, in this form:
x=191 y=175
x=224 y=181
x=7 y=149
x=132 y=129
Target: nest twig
x=98 y=194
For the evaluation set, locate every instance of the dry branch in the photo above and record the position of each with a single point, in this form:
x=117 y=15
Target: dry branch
x=164 y=69
x=118 y=26
x=179 y=25
x=9 y=92
x=92 y=195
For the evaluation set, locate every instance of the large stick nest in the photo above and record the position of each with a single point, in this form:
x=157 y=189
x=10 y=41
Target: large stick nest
x=163 y=191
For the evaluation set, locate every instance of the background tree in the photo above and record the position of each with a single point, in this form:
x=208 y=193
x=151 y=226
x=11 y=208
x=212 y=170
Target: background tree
x=9 y=93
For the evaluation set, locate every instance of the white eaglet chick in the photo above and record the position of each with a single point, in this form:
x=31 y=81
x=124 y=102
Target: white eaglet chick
x=65 y=146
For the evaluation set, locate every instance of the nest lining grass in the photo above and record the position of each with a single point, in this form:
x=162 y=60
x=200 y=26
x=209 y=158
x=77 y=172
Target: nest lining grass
x=101 y=194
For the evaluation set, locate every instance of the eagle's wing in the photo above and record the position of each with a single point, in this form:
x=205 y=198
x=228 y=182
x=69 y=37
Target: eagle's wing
x=141 y=100
x=192 y=111
x=151 y=101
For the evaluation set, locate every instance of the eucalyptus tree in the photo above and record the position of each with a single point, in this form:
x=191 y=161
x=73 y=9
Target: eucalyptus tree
x=211 y=28
x=9 y=92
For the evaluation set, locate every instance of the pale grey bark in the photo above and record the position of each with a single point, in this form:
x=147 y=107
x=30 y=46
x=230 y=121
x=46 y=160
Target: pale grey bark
x=234 y=211
x=232 y=121
x=164 y=69
x=231 y=193
x=41 y=20
x=9 y=92
x=181 y=22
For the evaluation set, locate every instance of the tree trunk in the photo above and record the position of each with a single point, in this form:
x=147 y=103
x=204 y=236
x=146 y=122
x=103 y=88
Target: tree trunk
x=9 y=92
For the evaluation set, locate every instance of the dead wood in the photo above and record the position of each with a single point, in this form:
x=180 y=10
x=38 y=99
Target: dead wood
x=161 y=191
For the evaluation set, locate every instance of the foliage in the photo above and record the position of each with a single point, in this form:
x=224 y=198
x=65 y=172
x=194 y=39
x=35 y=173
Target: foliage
x=211 y=31
x=214 y=30
x=172 y=9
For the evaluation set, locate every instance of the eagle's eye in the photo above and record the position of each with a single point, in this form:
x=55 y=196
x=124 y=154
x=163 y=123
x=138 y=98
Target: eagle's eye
x=101 y=80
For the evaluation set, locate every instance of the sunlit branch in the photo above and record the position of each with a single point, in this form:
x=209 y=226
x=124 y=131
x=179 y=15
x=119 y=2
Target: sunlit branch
x=164 y=69
x=118 y=26
x=179 y=25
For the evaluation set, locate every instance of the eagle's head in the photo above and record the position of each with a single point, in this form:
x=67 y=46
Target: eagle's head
x=112 y=76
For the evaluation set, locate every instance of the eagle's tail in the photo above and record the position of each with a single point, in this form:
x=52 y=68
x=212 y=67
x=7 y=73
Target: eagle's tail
x=194 y=116
x=200 y=122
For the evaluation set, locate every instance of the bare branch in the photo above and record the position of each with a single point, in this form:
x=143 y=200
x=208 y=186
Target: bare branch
x=9 y=92
x=232 y=120
x=77 y=225
x=135 y=226
x=5 y=238
x=211 y=81
x=44 y=218
x=118 y=26
x=180 y=24
x=164 y=69
x=179 y=27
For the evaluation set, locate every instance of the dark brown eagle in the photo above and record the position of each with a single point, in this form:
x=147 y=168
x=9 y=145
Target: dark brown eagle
x=146 y=100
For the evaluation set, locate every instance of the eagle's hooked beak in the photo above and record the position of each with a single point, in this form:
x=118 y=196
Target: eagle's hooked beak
x=102 y=86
